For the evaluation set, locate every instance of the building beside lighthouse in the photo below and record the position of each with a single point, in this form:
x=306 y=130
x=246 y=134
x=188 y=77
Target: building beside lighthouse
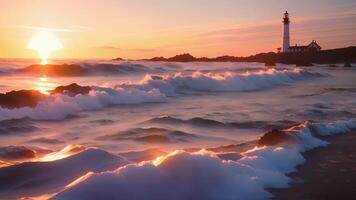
x=312 y=47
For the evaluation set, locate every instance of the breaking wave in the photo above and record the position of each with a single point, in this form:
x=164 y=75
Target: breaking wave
x=18 y=180
x=59 y=106
x=173 y=85
x=87 y=69
x=154 y=89
x=203 y=175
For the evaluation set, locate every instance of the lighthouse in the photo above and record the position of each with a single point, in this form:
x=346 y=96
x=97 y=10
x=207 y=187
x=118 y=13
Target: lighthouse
x=285 y=45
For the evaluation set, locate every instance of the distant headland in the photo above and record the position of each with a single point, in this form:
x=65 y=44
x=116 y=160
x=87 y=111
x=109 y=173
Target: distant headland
x=330 y=56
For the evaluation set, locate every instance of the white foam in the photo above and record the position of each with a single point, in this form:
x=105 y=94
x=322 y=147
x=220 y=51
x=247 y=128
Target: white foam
x=202 y=175
x=52 y=176
x=173 y=85
x=334 y=128
x=154 y=90
x=59 y=106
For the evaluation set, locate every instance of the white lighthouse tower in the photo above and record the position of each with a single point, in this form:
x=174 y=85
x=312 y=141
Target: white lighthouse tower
x=286 y=22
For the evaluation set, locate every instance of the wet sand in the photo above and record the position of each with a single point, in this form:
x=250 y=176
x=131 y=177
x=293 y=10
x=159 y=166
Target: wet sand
x=329 y=172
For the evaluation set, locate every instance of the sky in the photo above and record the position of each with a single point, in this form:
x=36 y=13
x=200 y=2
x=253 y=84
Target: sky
x=146 y=28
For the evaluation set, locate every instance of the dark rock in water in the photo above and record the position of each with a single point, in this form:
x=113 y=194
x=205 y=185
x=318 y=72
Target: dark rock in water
x=16 y=152
x=347 y=65
x=55 y=70
x=270 y=64
x=20 y=98
x=274 y=137
x=71 y=90
x=30 y=98
x=156 y=78
x=117 y=59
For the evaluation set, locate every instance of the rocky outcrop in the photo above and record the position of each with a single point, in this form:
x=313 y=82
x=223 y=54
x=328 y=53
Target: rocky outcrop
x=71 y=90
x=16 y=152
x=274 y=137
x=20 y=98
x=30 y=98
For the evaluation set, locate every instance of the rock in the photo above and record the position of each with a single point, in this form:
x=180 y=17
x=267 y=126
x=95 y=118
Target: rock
x=274 y=137
x=16 y=152
x=20 y=98
x=117 y=59
x=71 y=90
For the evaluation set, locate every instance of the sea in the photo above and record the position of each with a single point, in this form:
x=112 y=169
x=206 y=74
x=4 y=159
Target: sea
x=166 y=130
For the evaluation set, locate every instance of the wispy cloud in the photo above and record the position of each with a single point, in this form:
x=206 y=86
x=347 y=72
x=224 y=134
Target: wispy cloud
x=266 y=26
x=108 y=48
x=115 y=48
x=332 y=16
x=74 y=28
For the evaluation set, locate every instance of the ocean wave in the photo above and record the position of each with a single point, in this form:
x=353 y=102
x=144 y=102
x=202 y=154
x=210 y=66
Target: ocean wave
x=87 y=69
x=173 y=85
x=210 y=123
x=179 y=174
x=333 y=90
x=62 y=103
x=203 y=122
x=19 y=180
x=156 y=135
x=59 y=106
x=20 y=126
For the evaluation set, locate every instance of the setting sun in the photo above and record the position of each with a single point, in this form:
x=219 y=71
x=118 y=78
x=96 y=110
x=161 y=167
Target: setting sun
x=44 y=43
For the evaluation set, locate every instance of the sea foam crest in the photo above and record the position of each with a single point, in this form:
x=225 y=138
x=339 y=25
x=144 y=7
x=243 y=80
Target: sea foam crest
x=155 y=89
x=57 y=107
x=202 y=175
x=173 y=85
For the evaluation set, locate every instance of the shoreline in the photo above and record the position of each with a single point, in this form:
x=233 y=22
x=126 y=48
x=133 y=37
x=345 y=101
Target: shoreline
x=329 y=172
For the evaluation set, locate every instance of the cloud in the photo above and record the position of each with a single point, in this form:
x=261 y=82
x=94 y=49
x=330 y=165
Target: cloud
x=111 y=48
x=108 y=47
x=333 y=16
x=74 y=28
x=267 y=26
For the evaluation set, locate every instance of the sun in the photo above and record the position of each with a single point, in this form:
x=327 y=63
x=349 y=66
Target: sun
x=44 y=43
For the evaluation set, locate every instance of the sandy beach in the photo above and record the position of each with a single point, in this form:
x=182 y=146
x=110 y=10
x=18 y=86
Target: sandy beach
x=329 y=173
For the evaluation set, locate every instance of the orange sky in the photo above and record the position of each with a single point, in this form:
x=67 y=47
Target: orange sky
x=147 y=28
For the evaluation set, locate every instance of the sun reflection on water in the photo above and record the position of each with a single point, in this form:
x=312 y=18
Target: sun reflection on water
x=43 y=85
x=63 y=153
